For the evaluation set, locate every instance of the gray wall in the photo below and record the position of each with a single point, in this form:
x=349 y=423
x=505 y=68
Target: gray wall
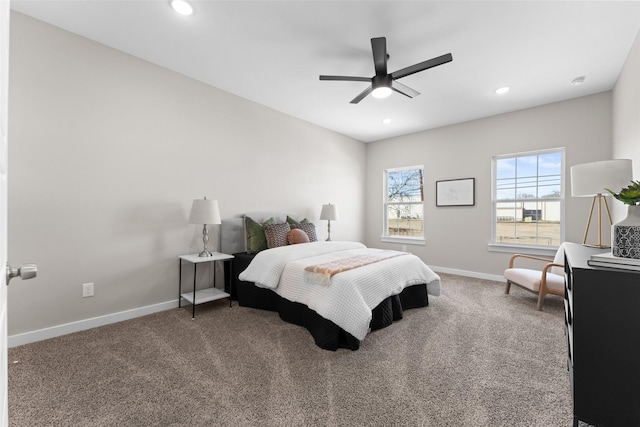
x=626 y=114
x=457 y=237
x=108 y=151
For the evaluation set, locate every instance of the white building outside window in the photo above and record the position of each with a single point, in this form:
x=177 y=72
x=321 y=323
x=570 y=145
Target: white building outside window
x=528 y=199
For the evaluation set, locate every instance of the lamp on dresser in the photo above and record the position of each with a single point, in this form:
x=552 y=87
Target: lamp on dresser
x=592 y=180
x=329 y=213
x=205 y=211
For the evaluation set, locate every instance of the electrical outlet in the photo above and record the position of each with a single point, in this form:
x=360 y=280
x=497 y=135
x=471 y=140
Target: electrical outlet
x=87 y=290
x=404 y=248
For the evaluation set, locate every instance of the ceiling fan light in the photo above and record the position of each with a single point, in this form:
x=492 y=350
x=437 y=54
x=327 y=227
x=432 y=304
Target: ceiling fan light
x=502 y=90
x=381 y=92
x=182 y=7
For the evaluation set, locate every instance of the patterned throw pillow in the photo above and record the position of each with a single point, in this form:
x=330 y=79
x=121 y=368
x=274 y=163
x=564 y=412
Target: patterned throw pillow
x=256 y=239
x=277 y=234
x=296 y=235
x=309 y=228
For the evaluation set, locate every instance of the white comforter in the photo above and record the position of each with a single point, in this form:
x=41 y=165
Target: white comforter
x=351 y=295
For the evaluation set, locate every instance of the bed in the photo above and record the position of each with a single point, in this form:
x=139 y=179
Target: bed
x=339 y=291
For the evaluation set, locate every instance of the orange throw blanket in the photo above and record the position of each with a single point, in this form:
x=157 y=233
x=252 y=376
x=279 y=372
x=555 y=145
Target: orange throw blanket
x=321 y=274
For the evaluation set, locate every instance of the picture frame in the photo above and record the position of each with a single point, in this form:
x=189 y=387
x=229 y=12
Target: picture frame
x=456 y=192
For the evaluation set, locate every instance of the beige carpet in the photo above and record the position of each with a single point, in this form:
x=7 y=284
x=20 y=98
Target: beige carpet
x=474 y=357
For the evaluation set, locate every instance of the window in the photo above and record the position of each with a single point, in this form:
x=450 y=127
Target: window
x=528 y=198
x=404 y=204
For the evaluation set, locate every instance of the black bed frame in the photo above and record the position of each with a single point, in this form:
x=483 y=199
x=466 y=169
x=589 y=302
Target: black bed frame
x=327 y=335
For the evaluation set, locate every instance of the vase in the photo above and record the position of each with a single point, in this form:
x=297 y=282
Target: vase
x=625 y=235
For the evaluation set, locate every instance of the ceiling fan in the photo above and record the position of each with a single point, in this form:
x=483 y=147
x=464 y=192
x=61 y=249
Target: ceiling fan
x=382 y=84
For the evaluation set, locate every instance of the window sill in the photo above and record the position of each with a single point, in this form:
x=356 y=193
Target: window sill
x=548 y=251
x=404 y=240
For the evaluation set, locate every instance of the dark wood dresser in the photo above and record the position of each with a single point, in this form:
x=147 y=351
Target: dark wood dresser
x=602 y=318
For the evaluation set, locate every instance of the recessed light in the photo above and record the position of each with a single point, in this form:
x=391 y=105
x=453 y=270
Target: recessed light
x=182 y=7
x=502 y=90
x=578 y=80
x=386 y=121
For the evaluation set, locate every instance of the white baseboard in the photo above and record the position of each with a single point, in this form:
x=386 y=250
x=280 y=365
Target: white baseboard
x=466 y=273
x=81 y=325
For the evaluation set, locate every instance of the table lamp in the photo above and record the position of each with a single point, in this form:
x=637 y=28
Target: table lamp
x=205 y=211
x=592 y=180
x=330 y=213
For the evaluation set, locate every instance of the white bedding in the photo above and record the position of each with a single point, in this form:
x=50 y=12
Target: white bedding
x=351 y=295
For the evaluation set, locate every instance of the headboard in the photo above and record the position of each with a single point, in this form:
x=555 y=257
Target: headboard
x=233 y=238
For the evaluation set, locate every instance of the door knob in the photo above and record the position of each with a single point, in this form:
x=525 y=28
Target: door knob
x=25 y=271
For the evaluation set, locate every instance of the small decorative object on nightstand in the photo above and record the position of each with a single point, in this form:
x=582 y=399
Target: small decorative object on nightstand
x=200 y=296
x=329 y=213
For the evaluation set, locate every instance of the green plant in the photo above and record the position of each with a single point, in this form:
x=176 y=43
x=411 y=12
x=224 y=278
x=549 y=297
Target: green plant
x=629 y=195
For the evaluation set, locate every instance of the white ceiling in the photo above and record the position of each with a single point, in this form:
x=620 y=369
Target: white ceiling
x=272 y=52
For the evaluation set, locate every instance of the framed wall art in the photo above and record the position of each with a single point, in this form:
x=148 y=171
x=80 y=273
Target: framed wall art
x=456 y=192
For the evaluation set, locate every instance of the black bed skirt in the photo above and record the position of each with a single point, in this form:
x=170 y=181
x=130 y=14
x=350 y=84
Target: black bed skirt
x=327 y=335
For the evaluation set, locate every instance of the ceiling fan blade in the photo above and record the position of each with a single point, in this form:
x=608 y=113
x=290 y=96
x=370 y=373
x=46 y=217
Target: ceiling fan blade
x=379 y=48
x=346 y=78
x=405 y=90
x=362 y=94
x=434 y=62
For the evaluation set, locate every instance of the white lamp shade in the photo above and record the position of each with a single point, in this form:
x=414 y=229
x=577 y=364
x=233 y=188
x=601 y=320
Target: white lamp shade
x=591 y=179
x=204 y=212
x=329 y=212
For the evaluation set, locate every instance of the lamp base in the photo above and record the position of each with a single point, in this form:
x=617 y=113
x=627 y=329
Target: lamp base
x=598 y=199
x=205 y=240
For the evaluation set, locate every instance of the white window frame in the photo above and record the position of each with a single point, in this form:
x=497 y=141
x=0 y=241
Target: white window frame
x=409 y=240
x=526 y=248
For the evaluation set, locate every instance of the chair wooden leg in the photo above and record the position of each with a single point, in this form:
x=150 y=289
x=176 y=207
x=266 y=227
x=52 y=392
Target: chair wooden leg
x=540 y=301
x=507 y=287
